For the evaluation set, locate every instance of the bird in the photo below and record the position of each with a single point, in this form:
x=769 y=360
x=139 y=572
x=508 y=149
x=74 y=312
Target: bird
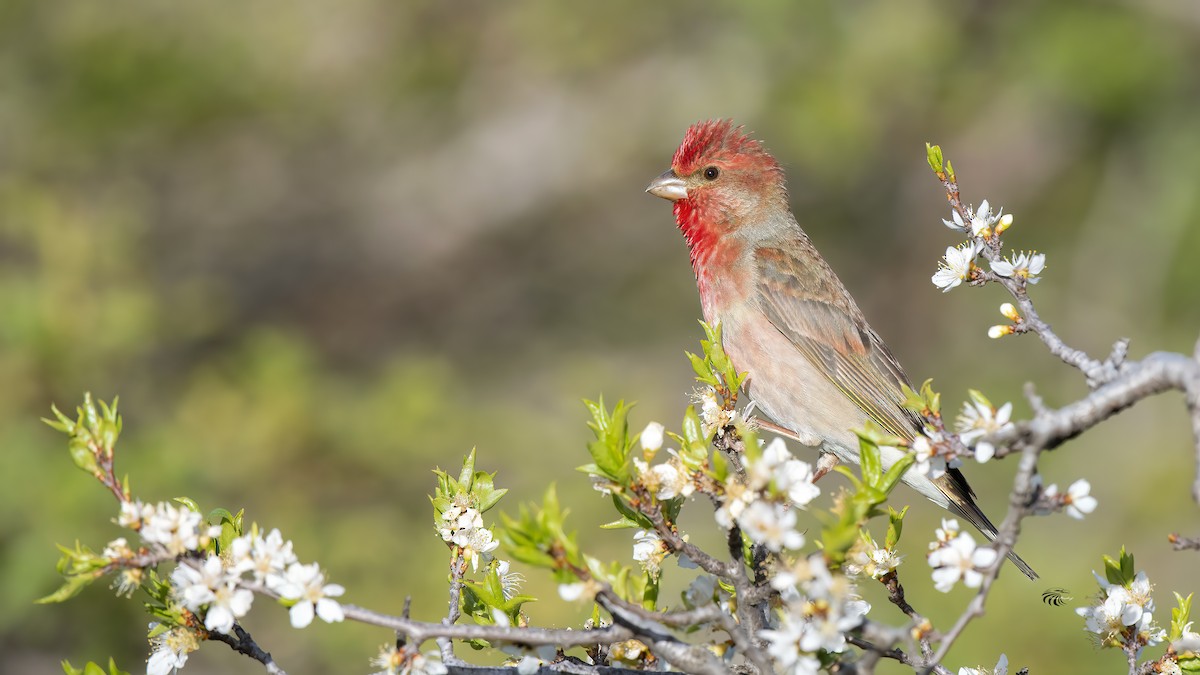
x=816 y=367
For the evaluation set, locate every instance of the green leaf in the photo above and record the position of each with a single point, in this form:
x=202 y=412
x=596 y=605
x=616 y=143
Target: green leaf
x=933 y=153
x=1180 y=616
x=872 y=467
x=189 y=503
x=895 y=527
x=467 y=474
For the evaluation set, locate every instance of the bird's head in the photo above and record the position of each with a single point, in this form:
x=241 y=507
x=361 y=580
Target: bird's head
x=721 y=181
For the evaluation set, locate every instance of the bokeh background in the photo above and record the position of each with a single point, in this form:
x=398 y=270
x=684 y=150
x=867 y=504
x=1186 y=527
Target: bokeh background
x=319 y=249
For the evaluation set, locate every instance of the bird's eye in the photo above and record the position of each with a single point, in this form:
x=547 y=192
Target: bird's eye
x=711 y=173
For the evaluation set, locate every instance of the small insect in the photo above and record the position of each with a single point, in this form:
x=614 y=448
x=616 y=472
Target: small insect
x=1057 y=597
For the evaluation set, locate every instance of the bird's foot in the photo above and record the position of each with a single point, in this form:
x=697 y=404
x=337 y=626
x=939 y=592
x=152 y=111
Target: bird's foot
x=825 y=463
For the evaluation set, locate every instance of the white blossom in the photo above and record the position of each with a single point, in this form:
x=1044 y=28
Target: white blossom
x=713 y=416
x=649 y=551
x=212 y=590
x=955 y=266
x=261 y=556
x=1078 y=500
x=960 y=560
x=1025 y=265
x=978 y=419
x=737 y=497
x=510 y=582
x=783 y=644
x=652 y=437
x=174 y=529
x=134 y=514
x=170 y=650
x=872 y=561
x=305 y=584
x=772 y=525
x=928 y=461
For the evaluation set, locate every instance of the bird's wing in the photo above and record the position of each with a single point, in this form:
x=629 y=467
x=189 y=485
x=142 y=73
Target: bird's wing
x=804 y=300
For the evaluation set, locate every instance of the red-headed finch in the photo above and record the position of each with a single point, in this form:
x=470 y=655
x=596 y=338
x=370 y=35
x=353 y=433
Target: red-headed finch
x=816 y=367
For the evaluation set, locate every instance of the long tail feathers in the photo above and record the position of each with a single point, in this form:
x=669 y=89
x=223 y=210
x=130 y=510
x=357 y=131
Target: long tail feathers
x=962 y=503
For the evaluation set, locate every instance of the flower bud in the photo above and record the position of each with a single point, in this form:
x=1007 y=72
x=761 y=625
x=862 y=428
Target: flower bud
x=1010 y=312
x=999 y=331
x=652 y=438
x=1005 y=222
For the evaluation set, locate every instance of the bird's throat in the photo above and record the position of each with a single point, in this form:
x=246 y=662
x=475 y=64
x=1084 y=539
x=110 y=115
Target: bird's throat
x=701 y=234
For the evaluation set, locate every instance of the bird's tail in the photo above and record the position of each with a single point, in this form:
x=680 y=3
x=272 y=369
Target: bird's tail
x=963 y=505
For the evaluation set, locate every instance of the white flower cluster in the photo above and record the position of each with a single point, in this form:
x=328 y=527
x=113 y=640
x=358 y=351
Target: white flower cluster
x=166 y=528
x=667 y=480
x=983 y=221
x=214 y=588
x=979 y=419
x=764 y=508
x=1123 y=615
x=955 y=557
x=959 y=262
x=872 y=560
x=463 y=527
x=713 y=416
x=1077 y=501
x=819 y=608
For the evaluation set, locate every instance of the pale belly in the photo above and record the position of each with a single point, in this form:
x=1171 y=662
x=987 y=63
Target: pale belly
x=790 y=391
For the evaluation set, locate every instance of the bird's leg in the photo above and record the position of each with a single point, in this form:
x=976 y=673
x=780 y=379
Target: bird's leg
x=825 y=463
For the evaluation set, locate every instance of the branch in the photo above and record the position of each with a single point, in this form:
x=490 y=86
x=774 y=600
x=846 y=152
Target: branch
x=244 y=644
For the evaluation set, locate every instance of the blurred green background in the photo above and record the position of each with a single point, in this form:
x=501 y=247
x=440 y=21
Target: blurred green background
x=318 y=249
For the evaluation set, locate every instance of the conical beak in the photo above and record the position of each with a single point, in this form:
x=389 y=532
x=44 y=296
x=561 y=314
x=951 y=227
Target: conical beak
x=668 y=186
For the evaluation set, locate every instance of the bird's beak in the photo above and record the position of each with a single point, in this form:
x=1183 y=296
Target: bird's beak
x=668 y=186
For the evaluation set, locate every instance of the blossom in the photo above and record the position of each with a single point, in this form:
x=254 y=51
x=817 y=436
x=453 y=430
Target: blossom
x=510 y=582
x=1025 y=265
x=667 y=480
x=928 y=461
x=872 y=561
x=772 y=525
x=463 y=527
x=134 y=513
x=1000 y=669
x=652 y=437
x=955 y=266
x=212 y=586
x=983 y=220
x=261 y=556
x=960 y=559
x=783 y=644
x=713 y=416
x=795 y=478
x=832 y=608
x=305 y=584
x=789 y=475
x=649 y=550
x=170 y=649
x=1078 y=500
x=945 y=534
x=175 y=530
x=978 y=419
x=737 y=498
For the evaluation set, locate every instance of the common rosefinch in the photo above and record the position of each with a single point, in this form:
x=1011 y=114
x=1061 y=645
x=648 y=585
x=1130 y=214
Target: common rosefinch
x=816 y=367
